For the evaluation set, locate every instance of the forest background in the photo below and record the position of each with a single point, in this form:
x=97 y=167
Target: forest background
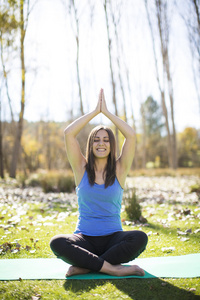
x=149 y=76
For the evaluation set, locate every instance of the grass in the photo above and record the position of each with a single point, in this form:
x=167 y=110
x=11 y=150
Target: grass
x=28 y=224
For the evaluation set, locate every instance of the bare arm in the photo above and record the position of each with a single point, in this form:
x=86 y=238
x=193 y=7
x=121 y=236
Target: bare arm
x=128 y=149
x=75 y=156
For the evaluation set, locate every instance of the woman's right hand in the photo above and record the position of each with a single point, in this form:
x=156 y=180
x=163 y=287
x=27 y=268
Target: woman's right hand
x=104 y=109
x=98 y=107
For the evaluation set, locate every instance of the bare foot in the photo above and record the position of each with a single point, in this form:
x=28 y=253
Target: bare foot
x=130 y=270
x=76 y=271
x=119 y=270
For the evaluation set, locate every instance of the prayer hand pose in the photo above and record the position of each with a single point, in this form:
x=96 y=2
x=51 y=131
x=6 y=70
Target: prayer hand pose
x=99 y=242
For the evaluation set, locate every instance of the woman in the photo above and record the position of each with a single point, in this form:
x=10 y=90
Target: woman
x=99 y=244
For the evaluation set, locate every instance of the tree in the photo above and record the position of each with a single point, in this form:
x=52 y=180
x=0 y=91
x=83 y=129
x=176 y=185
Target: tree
x=190 y=13
x=17 y=143
x=116 y=16
x=1 y=146
x=73 y=12
x=163 y=26
x=111 y=71
x=8 y=25
x=188 y=147
x=23 y=23
x=161 y=11
x=151 y=127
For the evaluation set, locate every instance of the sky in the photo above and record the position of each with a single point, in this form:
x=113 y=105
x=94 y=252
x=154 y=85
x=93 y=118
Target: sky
x=50 y=51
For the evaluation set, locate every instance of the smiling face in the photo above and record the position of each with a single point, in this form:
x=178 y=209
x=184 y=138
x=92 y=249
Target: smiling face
x=101 y=144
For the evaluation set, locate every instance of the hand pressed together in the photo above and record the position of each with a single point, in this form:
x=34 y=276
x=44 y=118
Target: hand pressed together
x=101 y=105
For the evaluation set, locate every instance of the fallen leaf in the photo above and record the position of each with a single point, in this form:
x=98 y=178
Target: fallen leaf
x=14 y=251
x=179 y=232
x=188 y=231
x=32 y=251
x=23 y=228
x=28 y=248
x=149 y=233
x=192 y=289
x=163 y=283
x=168 y=249
x=35 y=298
x=184 y=239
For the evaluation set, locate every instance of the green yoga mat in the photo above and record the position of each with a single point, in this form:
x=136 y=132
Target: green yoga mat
x=186 y=266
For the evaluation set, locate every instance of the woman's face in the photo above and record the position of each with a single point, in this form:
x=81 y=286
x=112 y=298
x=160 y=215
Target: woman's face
x=101 y=145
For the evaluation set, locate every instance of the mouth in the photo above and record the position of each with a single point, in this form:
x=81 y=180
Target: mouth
x=101 y=149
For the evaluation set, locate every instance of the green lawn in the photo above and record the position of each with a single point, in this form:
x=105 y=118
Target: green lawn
x=28 y=220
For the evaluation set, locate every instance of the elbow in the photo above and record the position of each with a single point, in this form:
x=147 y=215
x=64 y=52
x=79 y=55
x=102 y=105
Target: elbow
x=67 y=130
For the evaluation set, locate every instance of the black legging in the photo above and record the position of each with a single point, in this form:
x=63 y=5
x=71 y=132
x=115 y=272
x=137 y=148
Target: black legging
x=89 y=252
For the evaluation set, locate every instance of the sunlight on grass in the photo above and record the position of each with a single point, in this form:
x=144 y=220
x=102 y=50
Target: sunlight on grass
x=28 y=220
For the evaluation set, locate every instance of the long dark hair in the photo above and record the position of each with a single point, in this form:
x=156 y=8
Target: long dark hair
x=110 y=168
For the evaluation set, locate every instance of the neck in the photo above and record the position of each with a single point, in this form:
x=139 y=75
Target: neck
x=100 y=164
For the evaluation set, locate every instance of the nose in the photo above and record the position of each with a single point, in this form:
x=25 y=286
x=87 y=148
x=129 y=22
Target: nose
x=100 y=142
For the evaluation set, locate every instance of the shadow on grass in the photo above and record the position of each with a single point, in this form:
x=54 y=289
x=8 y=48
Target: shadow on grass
x=137 y=289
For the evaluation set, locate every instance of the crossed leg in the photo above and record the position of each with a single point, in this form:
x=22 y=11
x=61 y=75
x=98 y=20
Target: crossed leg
x=122 y=247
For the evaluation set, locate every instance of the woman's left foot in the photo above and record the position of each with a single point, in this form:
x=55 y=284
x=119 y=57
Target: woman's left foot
x=76 y=271
x=120 y=270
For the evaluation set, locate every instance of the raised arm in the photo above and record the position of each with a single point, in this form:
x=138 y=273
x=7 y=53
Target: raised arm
x=128 y=149
x=75 y=156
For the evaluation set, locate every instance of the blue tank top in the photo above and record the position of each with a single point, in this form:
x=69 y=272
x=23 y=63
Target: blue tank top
x=99 y=208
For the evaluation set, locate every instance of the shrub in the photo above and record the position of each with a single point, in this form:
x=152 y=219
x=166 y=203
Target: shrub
x=195 y=188
x=34 y=180
x=66 y=183
x=132 y=207
x=58 y=182
x=21 y=179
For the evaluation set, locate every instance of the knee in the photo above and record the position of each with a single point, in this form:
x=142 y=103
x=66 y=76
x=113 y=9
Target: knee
x=144 y=239
x=141 y=239
x=141 y=242
x=53 y=243
x=56 y=244
x=59 y=244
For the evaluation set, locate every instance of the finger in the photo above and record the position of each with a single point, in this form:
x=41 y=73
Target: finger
x=100 y=94
x=103 y=97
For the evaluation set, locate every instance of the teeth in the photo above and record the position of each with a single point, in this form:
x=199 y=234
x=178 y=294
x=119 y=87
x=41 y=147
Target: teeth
x=101 y=150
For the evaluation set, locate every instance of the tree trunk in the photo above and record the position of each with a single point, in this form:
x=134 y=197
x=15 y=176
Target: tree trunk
x=118 y=61
x=162 y=92
x=17 y=143
x=6 y=80
x=163 y=27
x=112 y=76
x=77 y=57
x=169 y=143
x=144 y=152
x=171 y=96
x=1 y=147
x=78 y=77
x=195 y=47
